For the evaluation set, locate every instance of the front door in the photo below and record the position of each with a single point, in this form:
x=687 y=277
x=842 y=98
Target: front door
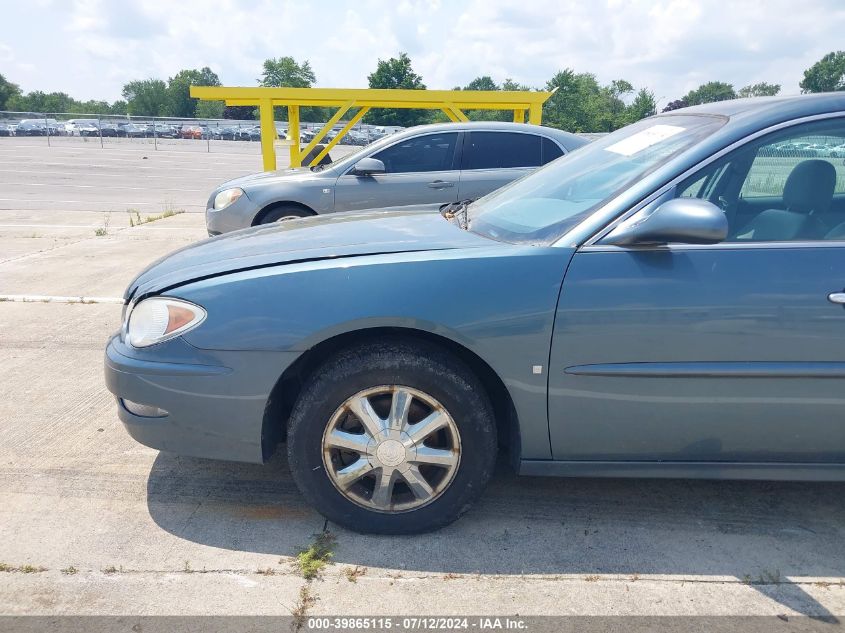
x=419 y=170
x=733 y=352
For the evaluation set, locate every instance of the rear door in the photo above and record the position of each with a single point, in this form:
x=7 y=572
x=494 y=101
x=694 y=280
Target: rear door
x=420 y=170
x=491 y=159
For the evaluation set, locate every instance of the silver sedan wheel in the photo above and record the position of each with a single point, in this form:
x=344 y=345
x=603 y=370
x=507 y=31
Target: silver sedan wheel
x=285 y=218
x=391 y=449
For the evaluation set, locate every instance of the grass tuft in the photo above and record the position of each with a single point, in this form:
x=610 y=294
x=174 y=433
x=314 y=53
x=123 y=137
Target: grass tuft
x=305 y=602
x=21 y=569
x=312 y=560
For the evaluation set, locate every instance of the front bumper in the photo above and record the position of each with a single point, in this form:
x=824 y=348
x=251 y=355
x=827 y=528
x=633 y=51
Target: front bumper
x=215 y=402
x=238 y=215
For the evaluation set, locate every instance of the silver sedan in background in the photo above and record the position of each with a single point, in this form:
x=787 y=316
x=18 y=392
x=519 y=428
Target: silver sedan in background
x=425 y=166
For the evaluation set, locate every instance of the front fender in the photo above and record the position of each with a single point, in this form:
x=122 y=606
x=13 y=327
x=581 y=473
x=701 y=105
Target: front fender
x=498 y=302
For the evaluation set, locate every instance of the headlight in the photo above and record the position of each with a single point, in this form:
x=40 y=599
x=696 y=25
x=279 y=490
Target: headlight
x=227 y=197
x=160 y=318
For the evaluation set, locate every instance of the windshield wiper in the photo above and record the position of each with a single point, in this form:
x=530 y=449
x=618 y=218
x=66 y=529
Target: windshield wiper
x=457 y=211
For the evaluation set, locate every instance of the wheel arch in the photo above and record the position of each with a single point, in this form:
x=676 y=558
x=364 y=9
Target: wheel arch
x=259 y=217
x=287 y=388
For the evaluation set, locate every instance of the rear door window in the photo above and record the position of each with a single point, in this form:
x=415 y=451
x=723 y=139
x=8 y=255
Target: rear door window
x=501 y=150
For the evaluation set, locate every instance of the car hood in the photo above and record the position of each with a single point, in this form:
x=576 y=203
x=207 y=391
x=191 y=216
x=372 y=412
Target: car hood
x=293 y=174
x=339 y=235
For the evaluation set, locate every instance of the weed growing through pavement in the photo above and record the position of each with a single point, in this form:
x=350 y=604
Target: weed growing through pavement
x=103 y=230
x=135 y=218
x=22 y=569
x=313 y=559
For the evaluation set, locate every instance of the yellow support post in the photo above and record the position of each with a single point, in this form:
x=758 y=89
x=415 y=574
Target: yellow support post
x=460 y=116
x=325 y=129
x=519 y=115
x=448 y=112
x=293 y=135
x=358 y=116
x=268 y=134
x=535 y=113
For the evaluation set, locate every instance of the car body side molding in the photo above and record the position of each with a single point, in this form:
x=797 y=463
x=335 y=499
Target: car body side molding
x=713 y=370
x=759 y=471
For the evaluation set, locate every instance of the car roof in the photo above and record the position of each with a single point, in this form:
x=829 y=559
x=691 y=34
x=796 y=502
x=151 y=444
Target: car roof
x=568 y=140
x=766 y=111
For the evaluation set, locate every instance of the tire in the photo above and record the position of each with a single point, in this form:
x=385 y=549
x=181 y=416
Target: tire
x=432 y=376
x=284 y=213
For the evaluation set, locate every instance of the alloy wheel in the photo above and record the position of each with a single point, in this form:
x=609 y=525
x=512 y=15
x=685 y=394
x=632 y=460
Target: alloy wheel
x=391 y=448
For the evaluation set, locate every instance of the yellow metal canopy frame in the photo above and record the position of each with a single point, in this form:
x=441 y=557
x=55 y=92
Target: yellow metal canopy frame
x=452 y=102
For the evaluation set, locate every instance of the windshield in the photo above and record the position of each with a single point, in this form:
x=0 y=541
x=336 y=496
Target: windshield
x=543 y=206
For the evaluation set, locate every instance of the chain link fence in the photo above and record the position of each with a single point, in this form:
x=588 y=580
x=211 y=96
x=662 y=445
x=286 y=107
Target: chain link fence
x=63 y=128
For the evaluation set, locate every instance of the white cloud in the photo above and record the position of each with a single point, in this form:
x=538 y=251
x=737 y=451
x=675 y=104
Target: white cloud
x=90 y=48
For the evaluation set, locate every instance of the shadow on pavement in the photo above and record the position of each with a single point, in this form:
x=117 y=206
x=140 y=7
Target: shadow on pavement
x=763 y=533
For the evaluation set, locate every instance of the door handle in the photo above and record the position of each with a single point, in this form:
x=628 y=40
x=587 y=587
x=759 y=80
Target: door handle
x=836 y=297
x=441 y=184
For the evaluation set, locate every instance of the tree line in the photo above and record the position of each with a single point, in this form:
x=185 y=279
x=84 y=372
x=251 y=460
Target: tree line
x=580 y=102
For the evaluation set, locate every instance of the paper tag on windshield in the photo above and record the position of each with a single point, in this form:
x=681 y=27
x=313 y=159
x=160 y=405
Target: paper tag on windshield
x=642 y=140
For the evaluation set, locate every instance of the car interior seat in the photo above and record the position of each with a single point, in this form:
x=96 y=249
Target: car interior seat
x=807 y=195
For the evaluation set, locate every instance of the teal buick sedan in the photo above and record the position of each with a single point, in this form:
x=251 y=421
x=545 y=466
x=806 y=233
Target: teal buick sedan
x=668 y=301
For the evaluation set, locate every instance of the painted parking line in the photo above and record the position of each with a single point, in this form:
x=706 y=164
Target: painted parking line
x=97 y=225
x=120 y=202
x=118 y=187
x=88 y=166
x=75 y=174
x=57 y=299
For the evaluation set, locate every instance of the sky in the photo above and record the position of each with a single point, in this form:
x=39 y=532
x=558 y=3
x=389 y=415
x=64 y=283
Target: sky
x=91 y=48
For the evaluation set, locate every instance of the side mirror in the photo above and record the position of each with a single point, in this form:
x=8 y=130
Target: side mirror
x=682 y=220
x=368 y=167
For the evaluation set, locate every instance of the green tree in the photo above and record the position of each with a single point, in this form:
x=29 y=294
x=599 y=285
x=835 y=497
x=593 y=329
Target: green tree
x=146 y=97
x=609 y=108
x=485 y=82
x=38 y=101
x=510 y=84
x=7 y=91
x=569 y=107
x=397 y=73
x=210 y=109
x=644 y=105
x=576 y=104
x=826 y=75
x=240 y=113
x=677 y=104
x=286 y=72
x=179 y=100
x=710 y=92
x=90 y=107
x=761 y=89
x=118 y=107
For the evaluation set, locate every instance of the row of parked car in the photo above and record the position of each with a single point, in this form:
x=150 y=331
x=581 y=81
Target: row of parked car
x=807 y=150
x=128 y=129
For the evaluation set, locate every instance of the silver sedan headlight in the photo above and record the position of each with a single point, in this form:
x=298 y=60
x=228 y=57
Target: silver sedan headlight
x=158 y=319
x=227 y=197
